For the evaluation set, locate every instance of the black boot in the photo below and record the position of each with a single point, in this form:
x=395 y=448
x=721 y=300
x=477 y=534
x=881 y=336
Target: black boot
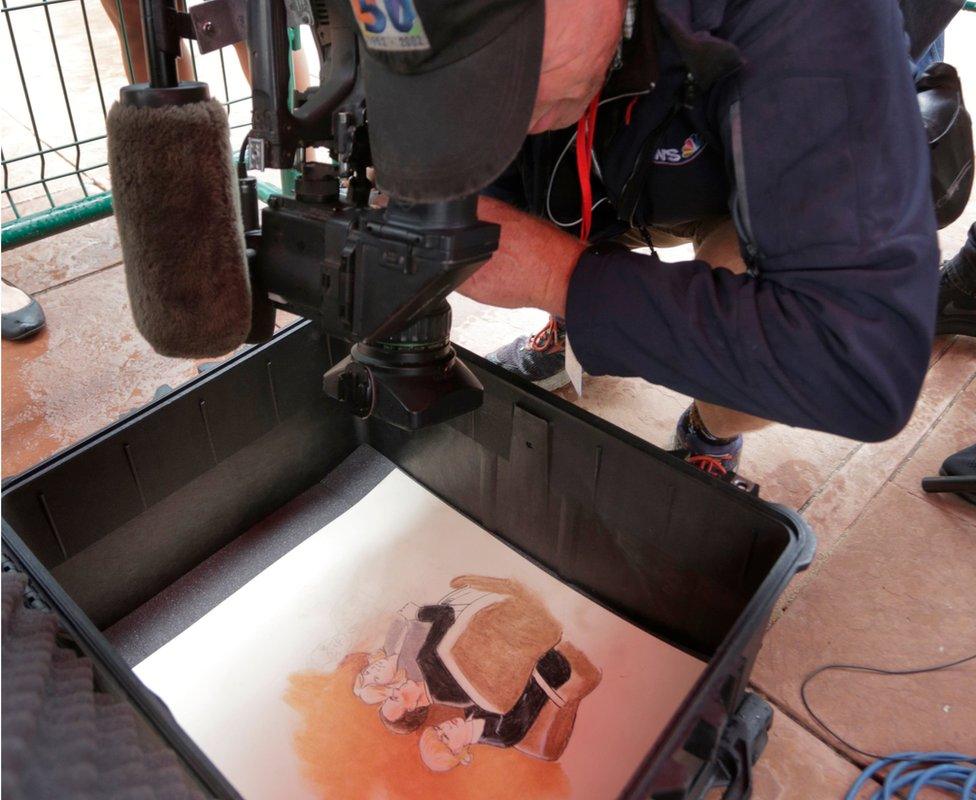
x=957 y=291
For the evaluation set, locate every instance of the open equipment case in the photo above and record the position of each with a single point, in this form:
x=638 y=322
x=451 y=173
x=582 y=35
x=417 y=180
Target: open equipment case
x=108 y=524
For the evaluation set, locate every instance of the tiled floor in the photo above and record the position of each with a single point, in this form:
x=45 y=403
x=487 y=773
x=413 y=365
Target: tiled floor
x=894 y=582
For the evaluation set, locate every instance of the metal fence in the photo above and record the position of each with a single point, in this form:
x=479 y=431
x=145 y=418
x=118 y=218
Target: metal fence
x=69 y=63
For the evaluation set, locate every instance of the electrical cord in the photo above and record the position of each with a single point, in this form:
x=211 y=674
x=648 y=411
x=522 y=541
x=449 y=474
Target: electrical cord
x=912 y=770
x=562 y=155
x=951 y=772
x=242 y=156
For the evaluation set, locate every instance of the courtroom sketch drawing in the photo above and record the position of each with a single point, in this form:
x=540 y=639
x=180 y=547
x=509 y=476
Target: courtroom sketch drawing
x=492 y=652
x=368 y=662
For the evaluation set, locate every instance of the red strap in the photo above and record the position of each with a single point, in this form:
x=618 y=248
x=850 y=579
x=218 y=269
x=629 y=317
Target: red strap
x=585 y=134
x=630 y=109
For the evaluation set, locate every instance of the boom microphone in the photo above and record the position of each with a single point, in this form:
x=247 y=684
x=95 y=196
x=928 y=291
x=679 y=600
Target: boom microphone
x=177 y=207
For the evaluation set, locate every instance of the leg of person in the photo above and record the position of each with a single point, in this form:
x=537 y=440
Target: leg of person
x=244 y=57
x=711 y=435
x=957 y=291
x=126 y=17
x=129 y=30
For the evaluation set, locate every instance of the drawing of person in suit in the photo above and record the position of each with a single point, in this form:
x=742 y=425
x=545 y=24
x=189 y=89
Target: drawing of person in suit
x=540 y=723
x=488 y=649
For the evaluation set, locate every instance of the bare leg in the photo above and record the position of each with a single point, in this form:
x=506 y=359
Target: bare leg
x=133 y=34
x=720 y=248
x=244 y=57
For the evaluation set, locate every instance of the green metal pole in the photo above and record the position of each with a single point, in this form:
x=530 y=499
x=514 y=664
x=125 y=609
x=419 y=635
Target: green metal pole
x=288 y=176
x=24 y=230
x=265 y=190
x=28 y=229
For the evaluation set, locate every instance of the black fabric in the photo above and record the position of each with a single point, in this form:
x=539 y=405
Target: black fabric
x=950 y=134
x=962 y=464
x=925 y=20
x=441 y=685
x=831 y=327
x=63 y=735
x=505 y=730
x=962 y=266
x=957 y=291
x=444 y=125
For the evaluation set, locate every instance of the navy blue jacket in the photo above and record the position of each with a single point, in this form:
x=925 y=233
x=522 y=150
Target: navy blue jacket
x=810 y=109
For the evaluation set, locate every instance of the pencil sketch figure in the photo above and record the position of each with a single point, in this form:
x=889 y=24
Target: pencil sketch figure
x=492 y=650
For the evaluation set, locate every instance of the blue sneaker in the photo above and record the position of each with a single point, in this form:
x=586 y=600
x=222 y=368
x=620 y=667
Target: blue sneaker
x=715 y=456
x=540 y=358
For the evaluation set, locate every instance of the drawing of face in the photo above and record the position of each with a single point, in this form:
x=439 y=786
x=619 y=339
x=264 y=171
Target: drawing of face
x=444 y=746
x=402 y=698
x=454 y=733
x=382 y=671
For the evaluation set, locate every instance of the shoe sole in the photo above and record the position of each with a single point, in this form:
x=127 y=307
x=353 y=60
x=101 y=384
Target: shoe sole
x=554 y=382
x=19 y=337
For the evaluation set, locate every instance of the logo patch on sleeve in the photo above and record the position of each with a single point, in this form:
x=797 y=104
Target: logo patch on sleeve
x=390 y=25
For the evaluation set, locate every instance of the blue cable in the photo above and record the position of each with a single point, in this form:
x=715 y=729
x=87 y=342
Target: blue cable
x=914 y=771
x=953 y=772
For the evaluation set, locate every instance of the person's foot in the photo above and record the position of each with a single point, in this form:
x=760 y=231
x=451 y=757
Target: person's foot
x=962 y=463
x=719 y=457
x=22 y=314
x=540 y=358
x=957 y=298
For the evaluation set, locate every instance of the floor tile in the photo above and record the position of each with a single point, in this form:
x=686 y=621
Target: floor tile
x=859 y=477
x=87 y=368
x=67 y=256
x=898 y=593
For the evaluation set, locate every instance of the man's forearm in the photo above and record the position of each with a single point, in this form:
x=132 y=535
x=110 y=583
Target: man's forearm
x=532 y=266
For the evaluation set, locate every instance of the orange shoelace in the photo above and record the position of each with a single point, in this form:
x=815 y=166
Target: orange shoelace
x=585 y=135
x=711 y=464
x=545 y=338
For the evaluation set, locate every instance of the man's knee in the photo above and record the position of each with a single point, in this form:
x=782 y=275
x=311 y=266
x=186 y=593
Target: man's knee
x=719 y=247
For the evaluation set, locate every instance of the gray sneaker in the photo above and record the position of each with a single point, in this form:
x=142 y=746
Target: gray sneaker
x=540 y=358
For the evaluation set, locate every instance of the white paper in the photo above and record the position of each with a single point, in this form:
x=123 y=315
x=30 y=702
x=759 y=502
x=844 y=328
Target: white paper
x=232 y=678
x=574 y=369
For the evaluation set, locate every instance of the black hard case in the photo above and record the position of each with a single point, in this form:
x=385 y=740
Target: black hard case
x=121 y=515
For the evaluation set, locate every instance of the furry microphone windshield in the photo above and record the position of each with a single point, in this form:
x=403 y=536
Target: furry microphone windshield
x=177 y=208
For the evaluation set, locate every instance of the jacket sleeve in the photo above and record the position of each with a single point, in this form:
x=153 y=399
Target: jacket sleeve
x=832 y=326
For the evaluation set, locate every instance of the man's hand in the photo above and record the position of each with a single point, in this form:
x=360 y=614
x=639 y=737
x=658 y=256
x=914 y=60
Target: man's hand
x=532 y=266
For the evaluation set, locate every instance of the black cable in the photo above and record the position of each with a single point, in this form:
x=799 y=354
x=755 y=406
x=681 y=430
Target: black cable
x=872 y=670
x=241 y=158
